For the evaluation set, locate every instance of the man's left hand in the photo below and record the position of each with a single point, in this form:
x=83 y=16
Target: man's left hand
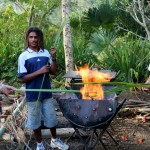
x=53 y=53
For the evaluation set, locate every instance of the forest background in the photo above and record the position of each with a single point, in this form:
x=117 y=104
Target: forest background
x=108 y=34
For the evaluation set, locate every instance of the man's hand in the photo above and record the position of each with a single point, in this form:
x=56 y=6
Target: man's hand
x=32 y=76
x=44 y=69
x=53 y=53
x=6 y=89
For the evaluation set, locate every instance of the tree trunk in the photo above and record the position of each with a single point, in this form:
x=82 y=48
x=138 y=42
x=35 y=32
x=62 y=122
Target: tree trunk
x=67 y=38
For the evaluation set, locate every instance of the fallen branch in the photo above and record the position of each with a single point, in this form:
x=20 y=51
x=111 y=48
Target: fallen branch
x=138 y=101
x=141 y=117
x=136 y=105
x=134 y=111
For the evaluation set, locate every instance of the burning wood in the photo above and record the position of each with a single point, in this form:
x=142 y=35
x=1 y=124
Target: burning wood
x=93 y=91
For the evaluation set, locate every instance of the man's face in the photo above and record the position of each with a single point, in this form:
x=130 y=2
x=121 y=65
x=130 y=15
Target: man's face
x=33 y=40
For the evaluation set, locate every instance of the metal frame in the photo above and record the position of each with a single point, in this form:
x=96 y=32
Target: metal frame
x=88 y=143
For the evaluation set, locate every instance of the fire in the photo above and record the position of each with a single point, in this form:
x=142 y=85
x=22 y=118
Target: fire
x=93 y=91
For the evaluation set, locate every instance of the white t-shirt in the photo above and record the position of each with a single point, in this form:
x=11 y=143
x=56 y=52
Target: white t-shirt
x=149 y=67
x=1 y=86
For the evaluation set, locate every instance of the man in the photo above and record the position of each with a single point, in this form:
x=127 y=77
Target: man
x=6 y=89
x=34 y=66
x=147 y=81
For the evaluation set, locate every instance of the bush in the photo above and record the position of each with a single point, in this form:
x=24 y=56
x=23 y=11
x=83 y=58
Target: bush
x=130 y=57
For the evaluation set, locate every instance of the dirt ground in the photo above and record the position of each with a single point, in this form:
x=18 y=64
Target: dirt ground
x=130 y=133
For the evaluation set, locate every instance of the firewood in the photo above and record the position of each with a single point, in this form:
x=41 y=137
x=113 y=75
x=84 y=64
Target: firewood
x=62 y=132
x=144 y=109
x=137 y=109
x=134 y=111
x=137 y=101
x=136 y=105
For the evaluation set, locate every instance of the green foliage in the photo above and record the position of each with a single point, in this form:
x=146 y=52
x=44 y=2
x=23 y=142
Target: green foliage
x=125 y=20
x=81 y=54
x=41 y=12
x=74 y=20
x=107 y=14
x=130 y=57
x=92 y=17
x=65 y=21
x=104 y=15
x=12 y=33
x=101 y=39
x=11 y=43
x=81 y=57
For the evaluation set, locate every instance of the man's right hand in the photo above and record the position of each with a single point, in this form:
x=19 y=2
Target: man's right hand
x=29 y=77
x=44 y=69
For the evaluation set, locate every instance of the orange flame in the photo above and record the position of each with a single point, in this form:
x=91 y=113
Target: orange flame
x=93 y=91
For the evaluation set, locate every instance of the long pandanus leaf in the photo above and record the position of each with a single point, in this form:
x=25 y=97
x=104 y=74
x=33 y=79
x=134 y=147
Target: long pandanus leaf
x=59 y=32
x=123 y=86
x=114 y=90
x=53 y=46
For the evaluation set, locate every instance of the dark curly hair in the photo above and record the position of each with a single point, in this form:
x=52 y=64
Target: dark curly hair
x=39 y=34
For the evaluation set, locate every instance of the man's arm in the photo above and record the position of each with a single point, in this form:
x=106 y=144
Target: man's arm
x=33 y=75
x=148 y=80
x=53 y=67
